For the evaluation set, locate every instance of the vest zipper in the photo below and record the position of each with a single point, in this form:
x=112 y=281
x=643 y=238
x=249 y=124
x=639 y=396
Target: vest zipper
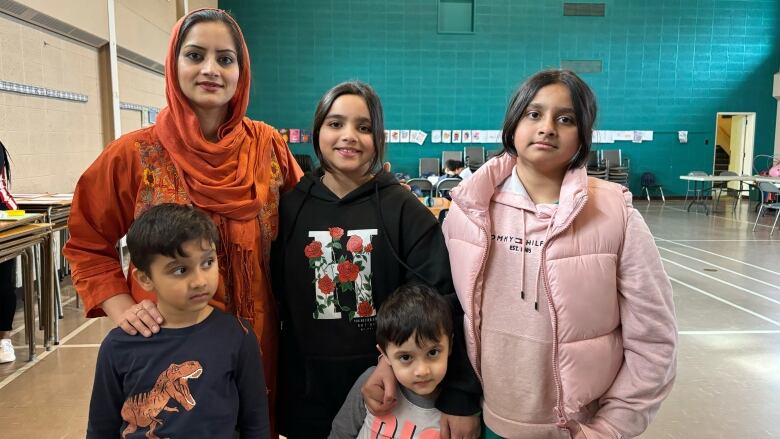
x=478 y=350
x=559 y=412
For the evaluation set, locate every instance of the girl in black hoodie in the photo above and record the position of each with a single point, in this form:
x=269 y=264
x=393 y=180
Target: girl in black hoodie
x=349 y=235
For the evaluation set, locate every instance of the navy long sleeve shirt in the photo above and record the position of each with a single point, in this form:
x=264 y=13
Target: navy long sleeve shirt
x=205 y=380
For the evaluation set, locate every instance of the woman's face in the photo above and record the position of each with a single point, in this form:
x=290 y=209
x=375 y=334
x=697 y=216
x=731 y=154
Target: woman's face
x=207 y=66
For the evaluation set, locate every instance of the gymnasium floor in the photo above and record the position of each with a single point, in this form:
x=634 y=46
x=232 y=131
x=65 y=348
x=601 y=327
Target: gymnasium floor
x=726 y=283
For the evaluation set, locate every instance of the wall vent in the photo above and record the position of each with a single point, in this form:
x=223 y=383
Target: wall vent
x=582 y=65
x=140 y=60
x=584 y=9
x=12 y=7
x=22 y=12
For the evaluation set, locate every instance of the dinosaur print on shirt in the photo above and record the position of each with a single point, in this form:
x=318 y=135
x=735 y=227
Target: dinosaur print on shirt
x=142 y=409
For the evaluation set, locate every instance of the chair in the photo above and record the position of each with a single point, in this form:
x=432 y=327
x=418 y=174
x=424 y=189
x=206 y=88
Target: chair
x=595 y=167
x=648 y=182
x=305 y=162
x=494 y=153
x=593 y=159
x=451 y=155
x=444 y=186
x=766 y=189
x=429 y=166
x=423 y=185
x=723 y=186
x=617 y=167
x=475 y=156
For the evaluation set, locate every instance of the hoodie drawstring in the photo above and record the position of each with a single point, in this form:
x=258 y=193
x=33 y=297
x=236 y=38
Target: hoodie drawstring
x=384 y=233
x=522 y=257
x=522 y=261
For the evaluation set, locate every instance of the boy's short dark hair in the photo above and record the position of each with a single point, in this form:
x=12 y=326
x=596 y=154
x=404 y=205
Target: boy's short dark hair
x=163 y=229
x=413 y=309
x=453 y=164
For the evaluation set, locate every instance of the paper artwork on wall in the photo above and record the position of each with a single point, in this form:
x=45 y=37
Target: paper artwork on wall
x=612 y=136
x=420 y=137
x=455 y=136
x=295 y=135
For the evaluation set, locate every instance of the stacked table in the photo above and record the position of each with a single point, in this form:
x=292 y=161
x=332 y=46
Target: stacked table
x=55 y=209
x=18 y=237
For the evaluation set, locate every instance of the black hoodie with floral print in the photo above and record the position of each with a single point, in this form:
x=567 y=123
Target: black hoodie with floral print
x=335 y=261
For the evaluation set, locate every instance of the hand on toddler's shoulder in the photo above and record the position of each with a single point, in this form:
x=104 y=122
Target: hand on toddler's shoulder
x=379 y=390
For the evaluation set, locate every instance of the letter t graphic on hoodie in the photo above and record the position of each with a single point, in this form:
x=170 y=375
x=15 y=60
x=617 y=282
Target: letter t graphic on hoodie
x=337 y=274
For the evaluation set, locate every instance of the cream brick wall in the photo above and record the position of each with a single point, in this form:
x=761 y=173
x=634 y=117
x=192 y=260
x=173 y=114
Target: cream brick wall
x=88 y=15
x=138 y=86
x=145 y=26
x=51 y=141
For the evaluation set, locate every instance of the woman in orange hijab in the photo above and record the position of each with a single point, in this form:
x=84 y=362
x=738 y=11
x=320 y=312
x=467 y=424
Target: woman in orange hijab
x=204 y=151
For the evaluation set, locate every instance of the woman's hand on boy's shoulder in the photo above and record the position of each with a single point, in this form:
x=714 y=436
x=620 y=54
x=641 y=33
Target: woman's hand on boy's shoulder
x=459 y=427
x=143 y=317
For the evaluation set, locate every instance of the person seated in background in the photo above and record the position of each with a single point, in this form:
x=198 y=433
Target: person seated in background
x=452 y=169
x=465 y=171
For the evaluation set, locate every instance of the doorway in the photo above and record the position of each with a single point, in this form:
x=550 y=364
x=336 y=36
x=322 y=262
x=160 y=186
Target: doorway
x=735 y=135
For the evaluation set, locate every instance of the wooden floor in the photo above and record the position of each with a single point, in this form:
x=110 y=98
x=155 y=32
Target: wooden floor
x=726 y=282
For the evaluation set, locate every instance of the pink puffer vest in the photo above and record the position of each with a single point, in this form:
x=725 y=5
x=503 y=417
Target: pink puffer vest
x=579 y=269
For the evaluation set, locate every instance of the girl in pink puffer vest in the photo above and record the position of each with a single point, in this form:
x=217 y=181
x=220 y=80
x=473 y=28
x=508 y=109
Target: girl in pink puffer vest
x=569 y=315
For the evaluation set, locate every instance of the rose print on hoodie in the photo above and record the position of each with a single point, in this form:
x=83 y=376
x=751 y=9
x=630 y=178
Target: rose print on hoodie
x=340 y=272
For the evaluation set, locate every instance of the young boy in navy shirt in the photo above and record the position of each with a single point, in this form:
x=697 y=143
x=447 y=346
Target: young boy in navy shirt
x=201 y=375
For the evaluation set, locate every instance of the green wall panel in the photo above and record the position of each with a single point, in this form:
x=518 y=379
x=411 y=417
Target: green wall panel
x=668 y=65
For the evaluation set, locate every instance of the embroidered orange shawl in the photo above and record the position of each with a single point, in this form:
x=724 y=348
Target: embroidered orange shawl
x=221 y=177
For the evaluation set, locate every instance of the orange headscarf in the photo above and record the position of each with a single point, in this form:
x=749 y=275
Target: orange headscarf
x=223 y=177
x=219 y=177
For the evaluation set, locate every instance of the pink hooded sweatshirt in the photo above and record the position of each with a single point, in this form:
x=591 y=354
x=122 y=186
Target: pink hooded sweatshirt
x=611 y=354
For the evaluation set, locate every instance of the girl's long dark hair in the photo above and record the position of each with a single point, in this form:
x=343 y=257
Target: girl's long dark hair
x=5 y=161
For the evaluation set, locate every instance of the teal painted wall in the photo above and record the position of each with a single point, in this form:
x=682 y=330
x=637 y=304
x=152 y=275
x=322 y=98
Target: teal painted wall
x=668 y=65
